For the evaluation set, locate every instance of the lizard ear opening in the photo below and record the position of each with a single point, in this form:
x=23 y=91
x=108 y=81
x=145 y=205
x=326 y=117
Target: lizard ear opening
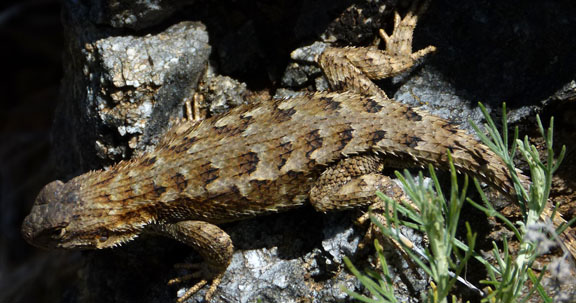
x=51 y=192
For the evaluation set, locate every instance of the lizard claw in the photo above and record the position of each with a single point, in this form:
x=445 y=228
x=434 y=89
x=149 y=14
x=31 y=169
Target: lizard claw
x=199 y=270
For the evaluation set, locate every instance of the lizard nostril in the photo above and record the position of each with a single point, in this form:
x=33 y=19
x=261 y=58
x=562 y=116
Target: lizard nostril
x=27 y=230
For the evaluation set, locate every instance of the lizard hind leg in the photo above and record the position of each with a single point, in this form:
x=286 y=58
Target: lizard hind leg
x=354 y=68
x=212 y=243
x=399 y=43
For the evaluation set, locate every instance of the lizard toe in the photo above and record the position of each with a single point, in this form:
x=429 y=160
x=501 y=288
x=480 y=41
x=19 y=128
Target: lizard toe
x=201 y=271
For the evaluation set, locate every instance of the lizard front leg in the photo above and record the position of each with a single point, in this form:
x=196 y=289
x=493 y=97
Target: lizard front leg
x=352 y=182
x=211 y=242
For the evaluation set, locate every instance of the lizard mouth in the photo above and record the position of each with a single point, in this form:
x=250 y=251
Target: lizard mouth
x=28 y=231
x=43 y=238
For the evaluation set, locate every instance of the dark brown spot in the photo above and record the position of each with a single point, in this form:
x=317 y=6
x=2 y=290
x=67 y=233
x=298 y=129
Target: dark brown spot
x=282 y=115
x=294 y=174
x=190 y=140
x=246 y=119
x=234 y=189
x=330 y=103
x=129 y=216
x=180 y=181
x=377 y=136
x=362 y=184
x=412 y=141
x=411 y=115
x=313 y=142
x=109 y=177
x=248 y=163
x=372 y=106
x=158 y=189
x=285 y=150
x=149 y=162
x=182 y=146
x=258 y=184
x=233 y=130
x=344 y=137
x=478 y=155
x=209 y=173
x=105 y=197
x=225 y=130
x=450 y=126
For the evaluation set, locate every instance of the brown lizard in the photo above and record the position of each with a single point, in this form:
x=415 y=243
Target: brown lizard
x=327 y=148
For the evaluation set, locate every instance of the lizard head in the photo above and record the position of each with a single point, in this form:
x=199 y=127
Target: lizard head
x=61 y=219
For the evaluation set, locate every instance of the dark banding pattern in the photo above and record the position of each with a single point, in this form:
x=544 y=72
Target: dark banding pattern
x=411 y=115
x=344 y=137
x=329 y=103
x=284 y=151
x=247 y=163
x=313 y=142
x=208 y=173
x=411 y=141
x=281 y=115
x=371 y=106
x=233 y=130
x=158 y=189
x=180 y=181
x=148 y=161
x=377 y=136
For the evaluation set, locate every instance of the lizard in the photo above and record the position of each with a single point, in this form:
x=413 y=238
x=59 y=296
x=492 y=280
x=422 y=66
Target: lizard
x=323 y=148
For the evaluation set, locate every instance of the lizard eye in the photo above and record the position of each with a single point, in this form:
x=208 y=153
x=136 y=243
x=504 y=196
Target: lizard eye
x=103 y=237
x=57 y=233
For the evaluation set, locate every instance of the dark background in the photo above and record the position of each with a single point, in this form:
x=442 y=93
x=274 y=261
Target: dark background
x=31 y=50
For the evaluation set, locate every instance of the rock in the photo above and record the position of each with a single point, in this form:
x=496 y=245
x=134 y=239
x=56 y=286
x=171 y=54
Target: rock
x=119 y=89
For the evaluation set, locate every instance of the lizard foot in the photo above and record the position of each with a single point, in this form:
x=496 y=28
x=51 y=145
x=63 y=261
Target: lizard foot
x=212 y=243
x=378 y=211
x=199 y=270
x=399 y=43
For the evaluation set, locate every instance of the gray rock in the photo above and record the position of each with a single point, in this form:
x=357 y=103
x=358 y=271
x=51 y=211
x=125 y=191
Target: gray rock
x=120 y=92
x=221 y=92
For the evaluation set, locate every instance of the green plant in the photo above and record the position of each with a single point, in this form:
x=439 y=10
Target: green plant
x=446 y=256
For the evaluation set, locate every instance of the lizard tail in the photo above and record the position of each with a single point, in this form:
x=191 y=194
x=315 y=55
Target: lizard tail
x=429 y=143
x=479 y=161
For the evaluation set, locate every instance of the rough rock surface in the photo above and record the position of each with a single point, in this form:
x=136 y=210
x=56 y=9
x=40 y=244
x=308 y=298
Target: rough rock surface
x=118 y=88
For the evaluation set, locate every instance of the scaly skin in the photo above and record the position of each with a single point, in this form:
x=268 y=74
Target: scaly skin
x=325 y=147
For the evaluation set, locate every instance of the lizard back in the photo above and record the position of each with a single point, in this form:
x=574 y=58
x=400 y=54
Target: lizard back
x=265 y=157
